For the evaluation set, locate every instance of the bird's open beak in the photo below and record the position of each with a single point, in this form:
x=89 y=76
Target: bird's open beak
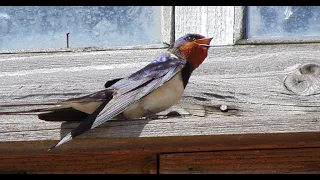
x=204 y=42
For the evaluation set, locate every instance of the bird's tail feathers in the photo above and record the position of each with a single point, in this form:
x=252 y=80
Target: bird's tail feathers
x=84 y=126
x=67 y=138
x=45 y=109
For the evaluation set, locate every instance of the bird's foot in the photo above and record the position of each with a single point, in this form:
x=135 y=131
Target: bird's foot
x=151 y=116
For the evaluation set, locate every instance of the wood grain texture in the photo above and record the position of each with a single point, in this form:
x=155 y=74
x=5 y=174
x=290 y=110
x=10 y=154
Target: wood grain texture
x=247 y=79
x=271 y=161
x=210 y=21
x=239 y=23
x=79 y=163
x=305 y=80
x=137 y=155
x=167 y=24
x=166 y=144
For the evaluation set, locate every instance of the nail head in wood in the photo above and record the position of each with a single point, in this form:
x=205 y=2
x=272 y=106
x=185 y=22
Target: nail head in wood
x=224 y=108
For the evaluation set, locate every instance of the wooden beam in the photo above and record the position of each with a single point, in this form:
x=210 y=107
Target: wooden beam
x=79 y=163
x=167 y=24
x=299 y=160
x=239 y=24
x=141 y=154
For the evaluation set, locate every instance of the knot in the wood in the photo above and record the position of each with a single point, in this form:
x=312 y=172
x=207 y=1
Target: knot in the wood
x=312 y=69
x=305 y=80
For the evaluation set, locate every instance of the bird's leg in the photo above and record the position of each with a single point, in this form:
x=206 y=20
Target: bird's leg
x=121 y=117
x=150 y=115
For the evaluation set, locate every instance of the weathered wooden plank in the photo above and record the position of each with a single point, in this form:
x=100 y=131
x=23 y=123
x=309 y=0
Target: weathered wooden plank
x=28 y=128
x=167 y=24
x=247 y=79
x=79 y=163
x=85 y=49
x=165 y=144
x=213 y=21
x=274 y=161
x=134 y=155
x=239 y=26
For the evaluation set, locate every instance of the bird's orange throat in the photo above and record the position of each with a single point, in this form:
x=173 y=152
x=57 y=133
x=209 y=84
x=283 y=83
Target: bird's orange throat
x=194 y=53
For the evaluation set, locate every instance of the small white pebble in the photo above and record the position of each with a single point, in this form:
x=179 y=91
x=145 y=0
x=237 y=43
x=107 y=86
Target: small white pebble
x=223 y=107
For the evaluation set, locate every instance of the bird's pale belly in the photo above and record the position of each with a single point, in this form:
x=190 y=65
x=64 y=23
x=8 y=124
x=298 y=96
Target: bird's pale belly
x=86 y=107
x=159 y=100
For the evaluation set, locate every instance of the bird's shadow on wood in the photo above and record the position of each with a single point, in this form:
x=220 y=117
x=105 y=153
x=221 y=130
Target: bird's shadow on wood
x=118 y=128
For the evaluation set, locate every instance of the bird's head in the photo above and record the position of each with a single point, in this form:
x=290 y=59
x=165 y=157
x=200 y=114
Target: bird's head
x=192 y=47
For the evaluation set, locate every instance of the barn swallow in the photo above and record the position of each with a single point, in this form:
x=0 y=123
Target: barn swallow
x=150 y=90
